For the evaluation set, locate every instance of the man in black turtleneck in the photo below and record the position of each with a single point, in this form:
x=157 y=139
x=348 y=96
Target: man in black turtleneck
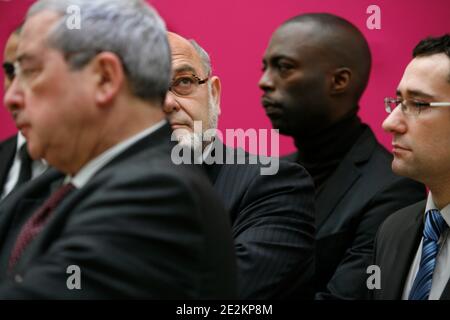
x=316 y=68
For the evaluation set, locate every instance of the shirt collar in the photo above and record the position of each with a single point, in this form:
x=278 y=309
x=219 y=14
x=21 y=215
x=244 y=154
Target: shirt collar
x=20 y=141
x=445 y=212
x=92 y=167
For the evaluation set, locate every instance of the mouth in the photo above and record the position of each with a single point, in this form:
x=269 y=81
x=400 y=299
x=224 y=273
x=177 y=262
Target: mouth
x=272 y=108
x=179 y=126
x=396 y=148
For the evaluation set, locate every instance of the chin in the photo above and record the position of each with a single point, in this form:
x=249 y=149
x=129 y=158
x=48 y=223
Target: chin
x=400 y=168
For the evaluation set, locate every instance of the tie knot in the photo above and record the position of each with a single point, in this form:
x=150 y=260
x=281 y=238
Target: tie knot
x=435 y=225
x=59 y=195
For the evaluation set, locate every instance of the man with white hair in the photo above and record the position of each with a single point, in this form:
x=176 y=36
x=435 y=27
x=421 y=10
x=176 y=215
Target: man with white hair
x=271 y=215
x=124 y=221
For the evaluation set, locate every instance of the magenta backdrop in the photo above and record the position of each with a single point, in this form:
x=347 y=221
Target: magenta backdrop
x=236 y=32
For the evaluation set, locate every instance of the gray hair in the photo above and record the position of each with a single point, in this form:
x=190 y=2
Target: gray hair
x=131 y=29
x=206 y=62
x=204 y=56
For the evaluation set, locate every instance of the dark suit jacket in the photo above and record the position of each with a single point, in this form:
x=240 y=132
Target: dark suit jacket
x=7 y=153
x=352 y=204
x=272 y=224
x=396 y=245
x=142 y=227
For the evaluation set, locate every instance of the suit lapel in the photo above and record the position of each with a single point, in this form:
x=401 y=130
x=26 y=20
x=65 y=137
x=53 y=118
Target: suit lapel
x=159 y=138
x=402 y=253
x=19 y=206
x=446 y=293
x=218 y=155
x=344 y=177
x=7 y=152
x=346 y=174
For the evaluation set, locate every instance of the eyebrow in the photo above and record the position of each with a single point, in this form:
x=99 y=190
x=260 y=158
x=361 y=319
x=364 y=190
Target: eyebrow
x=184 y=68
x=415 y=93
x=279 y=56
x=25 y=57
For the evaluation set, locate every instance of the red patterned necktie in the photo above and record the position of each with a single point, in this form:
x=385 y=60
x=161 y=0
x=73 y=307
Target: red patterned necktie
x=36 y=222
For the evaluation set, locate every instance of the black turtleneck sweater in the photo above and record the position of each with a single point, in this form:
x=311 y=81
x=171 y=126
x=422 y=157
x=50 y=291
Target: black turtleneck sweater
x=321 y=153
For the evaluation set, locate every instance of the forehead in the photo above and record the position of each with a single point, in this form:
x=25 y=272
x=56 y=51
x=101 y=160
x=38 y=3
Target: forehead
x=429 y=74
x=184 y=56
x=11 y=47
x=35 y=32
x=295 y=40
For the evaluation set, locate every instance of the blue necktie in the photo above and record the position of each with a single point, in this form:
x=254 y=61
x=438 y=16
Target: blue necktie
x=434 y=226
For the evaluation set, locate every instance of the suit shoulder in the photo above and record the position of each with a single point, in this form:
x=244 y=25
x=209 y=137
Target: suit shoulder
x=254 y=166
x=154 y=163
x=292 y=157
x=9 y=142
x=399 y=218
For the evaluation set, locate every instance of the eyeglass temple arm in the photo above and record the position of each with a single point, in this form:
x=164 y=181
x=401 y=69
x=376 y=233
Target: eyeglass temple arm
x=439 y=104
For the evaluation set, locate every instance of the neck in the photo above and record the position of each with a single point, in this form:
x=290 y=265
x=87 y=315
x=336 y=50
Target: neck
x=441 y=192
x=322 y=152
x=335 y=139
x=113 y=127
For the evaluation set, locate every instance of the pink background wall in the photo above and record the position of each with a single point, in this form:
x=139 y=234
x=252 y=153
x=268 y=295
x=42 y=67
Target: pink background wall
x=236 y=33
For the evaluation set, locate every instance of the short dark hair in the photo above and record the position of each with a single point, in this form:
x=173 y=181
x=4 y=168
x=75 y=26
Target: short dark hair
x=430 y=45
x=433 y=45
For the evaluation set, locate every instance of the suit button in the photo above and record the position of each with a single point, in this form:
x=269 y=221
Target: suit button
x=18 y=278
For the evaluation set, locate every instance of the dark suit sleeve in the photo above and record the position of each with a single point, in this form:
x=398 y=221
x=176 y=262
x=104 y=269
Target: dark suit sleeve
x=274 y=235
x=350 y=277
x=145 y=237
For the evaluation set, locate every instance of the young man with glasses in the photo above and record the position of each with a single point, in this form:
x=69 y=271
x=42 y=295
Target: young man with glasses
x=413 y=245
x=16 y=166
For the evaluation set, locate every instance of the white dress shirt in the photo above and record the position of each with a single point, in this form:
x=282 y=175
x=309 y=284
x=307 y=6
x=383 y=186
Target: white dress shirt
x=92 y=167
x=37 y=168
x=441 y=273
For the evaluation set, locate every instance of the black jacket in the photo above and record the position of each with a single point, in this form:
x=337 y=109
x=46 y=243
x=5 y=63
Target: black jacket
x=7 y=153
x=360 y=194
x=395 y=248
x=142 y=227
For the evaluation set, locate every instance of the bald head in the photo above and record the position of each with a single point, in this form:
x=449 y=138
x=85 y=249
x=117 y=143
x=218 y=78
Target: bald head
x=191 y=48
x=339 y=42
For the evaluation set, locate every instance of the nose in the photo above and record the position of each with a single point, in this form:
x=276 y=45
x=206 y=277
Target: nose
x=14 y=98
x=171 y=104
x=395 y=123
x=266 y=82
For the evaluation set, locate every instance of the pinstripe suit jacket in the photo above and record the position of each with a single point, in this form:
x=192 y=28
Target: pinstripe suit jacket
x=272 y=226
